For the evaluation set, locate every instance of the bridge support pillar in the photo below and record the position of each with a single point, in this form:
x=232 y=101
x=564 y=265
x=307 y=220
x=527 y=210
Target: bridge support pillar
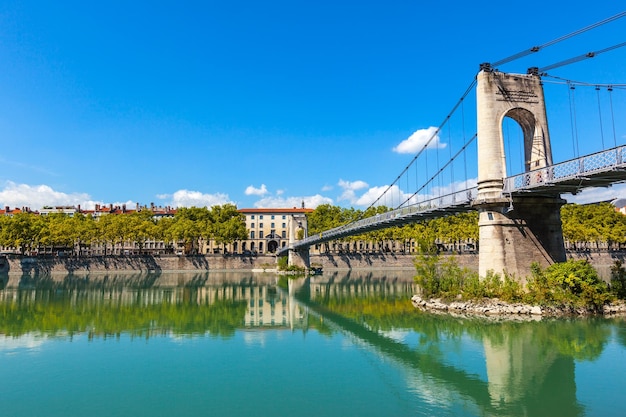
x=515 y=233
x=300 y=257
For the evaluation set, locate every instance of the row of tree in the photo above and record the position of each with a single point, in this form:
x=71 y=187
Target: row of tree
x=450 y=229
x=225 y=225
x=595 y=223
x=30 y=231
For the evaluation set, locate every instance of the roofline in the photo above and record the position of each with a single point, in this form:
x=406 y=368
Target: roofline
x=275 y=210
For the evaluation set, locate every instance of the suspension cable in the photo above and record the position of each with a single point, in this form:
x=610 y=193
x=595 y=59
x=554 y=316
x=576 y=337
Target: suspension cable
x=450 y=153
x=557 y=40
x=600 y=116
x=562 y=81
x=580 y=58
x=464 y=154
x=423 y=149
x=572 y=114
x=431 y=179
x=610 y=90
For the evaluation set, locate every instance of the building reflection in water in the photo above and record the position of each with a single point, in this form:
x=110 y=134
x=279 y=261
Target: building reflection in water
x=529 y=366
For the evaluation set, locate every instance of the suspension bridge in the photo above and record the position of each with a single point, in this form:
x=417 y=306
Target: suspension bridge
x=519 y=214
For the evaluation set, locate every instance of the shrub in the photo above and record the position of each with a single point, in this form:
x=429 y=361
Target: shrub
x=618 y=280
x=283 y=263
x=573 y=283
x=568 y=283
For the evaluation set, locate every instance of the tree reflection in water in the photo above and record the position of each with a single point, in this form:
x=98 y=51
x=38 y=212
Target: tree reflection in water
x=529 y=365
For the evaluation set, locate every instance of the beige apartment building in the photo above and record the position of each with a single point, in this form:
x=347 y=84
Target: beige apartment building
x=269 y=229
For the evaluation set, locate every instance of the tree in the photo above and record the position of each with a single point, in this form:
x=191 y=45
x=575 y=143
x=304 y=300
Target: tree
x=190 y=224
x=227 y=225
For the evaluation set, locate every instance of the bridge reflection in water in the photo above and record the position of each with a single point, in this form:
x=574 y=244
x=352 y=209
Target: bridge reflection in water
x=494 y=368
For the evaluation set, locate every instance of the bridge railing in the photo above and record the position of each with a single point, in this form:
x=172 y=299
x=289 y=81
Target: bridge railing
x=462 y=198
x=572 y=169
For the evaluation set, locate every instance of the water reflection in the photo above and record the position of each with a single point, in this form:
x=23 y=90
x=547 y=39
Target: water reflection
x=529 y=364
x=492 y=367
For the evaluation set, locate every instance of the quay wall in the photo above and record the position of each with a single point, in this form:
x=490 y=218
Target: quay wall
x=601 y=260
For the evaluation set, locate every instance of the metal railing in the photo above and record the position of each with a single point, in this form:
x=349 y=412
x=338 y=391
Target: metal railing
x=572 y=172
x=453 y=202
x=578 y=168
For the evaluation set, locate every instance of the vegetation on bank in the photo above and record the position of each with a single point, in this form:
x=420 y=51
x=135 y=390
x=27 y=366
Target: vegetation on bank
x=593 y=225
x=29 y=231
x=283 y=266
x=569 y=284
x=584 y=226
x=451 y=229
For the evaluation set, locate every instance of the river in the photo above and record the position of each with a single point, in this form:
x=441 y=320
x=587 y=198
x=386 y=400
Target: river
x=242 y=344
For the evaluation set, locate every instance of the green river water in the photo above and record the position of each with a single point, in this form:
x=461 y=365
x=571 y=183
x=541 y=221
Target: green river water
x=243 y=344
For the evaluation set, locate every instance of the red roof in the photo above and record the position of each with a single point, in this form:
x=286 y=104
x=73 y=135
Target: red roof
x=275 y=210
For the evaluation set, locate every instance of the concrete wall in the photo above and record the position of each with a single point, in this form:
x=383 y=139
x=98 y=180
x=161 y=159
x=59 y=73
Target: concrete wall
x=601 y=260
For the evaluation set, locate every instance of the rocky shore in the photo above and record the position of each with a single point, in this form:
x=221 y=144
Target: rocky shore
x=498 y=308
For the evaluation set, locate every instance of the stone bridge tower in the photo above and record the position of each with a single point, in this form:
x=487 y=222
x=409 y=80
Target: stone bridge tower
x=514 y=231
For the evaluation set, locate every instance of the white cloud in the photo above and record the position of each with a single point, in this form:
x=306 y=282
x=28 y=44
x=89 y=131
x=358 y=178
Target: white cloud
x=418 y=141
x=250 y=190
x=288 y=202
x=38 y=196
x=327 y=188
x=394 y=195
x=187 y=198
x=392 y=199
x=349 y=190
x=596 y=195
x=352 y=185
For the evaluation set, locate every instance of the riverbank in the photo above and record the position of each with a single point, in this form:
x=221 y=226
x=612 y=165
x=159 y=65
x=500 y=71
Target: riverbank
x=13 y=264
x=498 y=308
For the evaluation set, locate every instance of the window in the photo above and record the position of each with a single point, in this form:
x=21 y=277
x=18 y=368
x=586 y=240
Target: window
x=284 y=234
x=272 y=226
x=261 y=225
x=260 y=234
x=260 y=217
x=252 y=234
x=252 y=216
x=284 y=217
x=272 y=217
x=251 y=225
x=284 y=225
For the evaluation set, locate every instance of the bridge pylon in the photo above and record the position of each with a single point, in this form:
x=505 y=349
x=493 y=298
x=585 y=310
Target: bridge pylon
x=514 y=231
x=298 y=228
x=300 y=257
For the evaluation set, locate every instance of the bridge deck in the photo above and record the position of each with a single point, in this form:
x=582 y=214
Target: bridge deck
x=600 y=169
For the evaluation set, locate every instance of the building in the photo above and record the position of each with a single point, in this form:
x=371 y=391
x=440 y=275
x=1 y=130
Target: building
x=269 y=229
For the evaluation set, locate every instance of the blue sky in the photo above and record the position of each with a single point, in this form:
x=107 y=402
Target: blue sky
x=261 y=104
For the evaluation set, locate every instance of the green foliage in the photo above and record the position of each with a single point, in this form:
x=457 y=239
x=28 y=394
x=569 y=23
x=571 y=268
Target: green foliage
x=573 y=283
x=29 y=231
x=618 y=280
x=593 y=223
x=441 y=277
x=449 y=229
x=283 y=263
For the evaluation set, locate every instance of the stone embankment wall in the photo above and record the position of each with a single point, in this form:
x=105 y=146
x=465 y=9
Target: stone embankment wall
x=602 y=261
